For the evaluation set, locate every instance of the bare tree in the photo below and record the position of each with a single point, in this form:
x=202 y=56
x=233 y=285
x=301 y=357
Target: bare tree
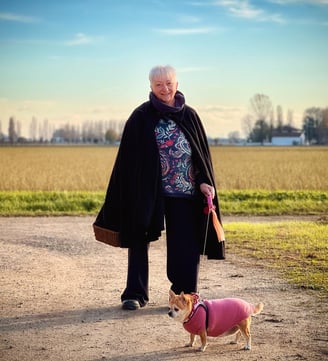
x=323 y=128
x=234 y=137
x=12 y=131
x=290 y=117
x=46 y=130
x=2 y=136
x=33 y=129
x=311 y=121
x=18 y=129
x=247 y=125
x=271 y=125
x=280 y=118
x=121 y=128
x=261 y=106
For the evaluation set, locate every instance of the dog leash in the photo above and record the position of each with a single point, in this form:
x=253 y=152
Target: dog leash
x=208 y=211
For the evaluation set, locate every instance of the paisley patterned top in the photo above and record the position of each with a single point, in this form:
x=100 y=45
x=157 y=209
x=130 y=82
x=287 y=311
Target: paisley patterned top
x=178 y=177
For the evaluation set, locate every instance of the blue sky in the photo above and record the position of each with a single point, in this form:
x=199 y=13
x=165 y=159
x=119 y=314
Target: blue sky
x=77 y=60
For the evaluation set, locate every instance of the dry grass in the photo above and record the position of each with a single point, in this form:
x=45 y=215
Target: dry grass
x=55 y=168
x=296 y=249
x=278 y=168
x=88 y=168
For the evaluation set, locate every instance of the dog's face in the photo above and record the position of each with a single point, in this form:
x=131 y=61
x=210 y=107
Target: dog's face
x=180 y=306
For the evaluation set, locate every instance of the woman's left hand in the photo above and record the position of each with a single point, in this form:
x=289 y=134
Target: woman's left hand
x=207 y=190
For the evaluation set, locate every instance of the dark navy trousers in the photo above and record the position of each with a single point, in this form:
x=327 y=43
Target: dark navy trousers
x=183 y=225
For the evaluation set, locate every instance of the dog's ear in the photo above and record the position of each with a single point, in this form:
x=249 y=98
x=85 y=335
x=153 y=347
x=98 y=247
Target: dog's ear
x=183 y=297
x=171 y=294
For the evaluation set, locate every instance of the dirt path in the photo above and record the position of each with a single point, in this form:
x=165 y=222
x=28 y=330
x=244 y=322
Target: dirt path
x=60 y=292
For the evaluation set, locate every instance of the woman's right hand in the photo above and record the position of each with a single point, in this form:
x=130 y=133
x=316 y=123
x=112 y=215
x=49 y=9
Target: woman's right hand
x=207 y=190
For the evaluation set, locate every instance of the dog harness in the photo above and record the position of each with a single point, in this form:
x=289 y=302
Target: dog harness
x=217 y=316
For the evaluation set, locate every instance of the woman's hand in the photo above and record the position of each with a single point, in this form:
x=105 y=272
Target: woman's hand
x=207 y=190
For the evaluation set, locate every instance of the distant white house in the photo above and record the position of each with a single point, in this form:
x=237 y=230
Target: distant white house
x=287 y=135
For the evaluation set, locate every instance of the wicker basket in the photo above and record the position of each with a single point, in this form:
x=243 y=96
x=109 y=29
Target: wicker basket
x=107 y=236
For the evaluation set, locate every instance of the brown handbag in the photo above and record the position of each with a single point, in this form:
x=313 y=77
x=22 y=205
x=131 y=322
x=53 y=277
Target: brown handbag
x=107 y=236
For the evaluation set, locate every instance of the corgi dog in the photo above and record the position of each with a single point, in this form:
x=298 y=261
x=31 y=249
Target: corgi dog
x=220 y=317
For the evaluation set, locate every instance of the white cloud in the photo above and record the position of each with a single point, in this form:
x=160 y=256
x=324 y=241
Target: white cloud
x=185 y=31
x=81 y=39
x=17 y=17
x=35 y=105
x=220 y=120
x=311 y=2
x=244 y=9
x=22 y=107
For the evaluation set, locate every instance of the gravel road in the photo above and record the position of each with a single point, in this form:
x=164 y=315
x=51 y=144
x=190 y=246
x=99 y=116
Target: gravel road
x=60 y=300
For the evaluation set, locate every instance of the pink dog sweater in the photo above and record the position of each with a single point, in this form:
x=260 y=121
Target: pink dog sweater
x=222 y=315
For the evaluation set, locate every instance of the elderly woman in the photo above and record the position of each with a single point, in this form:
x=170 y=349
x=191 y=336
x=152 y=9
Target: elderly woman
x=163 y=170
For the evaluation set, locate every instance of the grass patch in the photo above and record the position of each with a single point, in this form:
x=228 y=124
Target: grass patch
x=40 y=203
x=45 y=203
x=243 y=202
x=298 y=250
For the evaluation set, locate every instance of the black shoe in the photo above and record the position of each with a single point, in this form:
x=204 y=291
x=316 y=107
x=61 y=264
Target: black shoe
x=130 y=305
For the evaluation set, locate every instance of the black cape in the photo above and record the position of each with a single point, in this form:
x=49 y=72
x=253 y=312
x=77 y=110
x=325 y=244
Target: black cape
x=134 y=202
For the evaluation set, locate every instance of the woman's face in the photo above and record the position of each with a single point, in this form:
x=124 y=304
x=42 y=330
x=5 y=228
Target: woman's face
x=165 y=87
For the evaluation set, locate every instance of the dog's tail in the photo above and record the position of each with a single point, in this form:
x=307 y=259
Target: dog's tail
x=258 y=308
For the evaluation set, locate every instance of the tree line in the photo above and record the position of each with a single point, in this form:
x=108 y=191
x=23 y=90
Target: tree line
x=91 y=132
x=259 y=125
x=262 y=122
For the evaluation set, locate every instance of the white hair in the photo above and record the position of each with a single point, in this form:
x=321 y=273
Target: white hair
x=160 y=71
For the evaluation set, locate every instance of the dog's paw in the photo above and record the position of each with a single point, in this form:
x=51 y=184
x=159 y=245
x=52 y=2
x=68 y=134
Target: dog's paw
x=202 y=348
x=247 y=347
x=189 y=344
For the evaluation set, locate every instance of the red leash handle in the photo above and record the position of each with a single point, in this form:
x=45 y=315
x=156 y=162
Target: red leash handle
x=210 y=204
